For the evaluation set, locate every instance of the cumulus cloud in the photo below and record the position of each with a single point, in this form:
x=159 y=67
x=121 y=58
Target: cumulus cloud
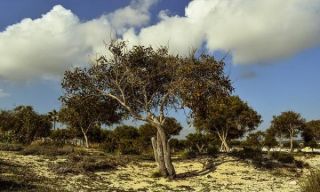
x=47 y=46
x=253 y=30
x=3 y=93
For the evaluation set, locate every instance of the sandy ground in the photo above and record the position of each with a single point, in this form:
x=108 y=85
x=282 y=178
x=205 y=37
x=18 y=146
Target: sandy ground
x=230 y=175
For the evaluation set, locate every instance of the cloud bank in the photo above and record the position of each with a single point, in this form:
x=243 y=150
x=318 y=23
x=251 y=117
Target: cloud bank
x=47 y=46
x=253 y=31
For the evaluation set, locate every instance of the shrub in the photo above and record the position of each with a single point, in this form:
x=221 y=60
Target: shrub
x=189 y=154
x=312 y=183
x=212 y=150
x=283 y=157
x=11 y=147
x=156 y=174
x=77 y=164
x=248 y=153
x=49 y=150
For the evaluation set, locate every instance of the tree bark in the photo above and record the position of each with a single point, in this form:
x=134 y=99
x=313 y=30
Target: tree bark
x=224 y=145
x=154 y=146
x=85 y=138
x=161 y=160
x=163 y=153
x=291 y=143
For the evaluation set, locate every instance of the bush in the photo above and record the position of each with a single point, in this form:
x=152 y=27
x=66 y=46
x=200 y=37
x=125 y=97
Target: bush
x=77 y=164
x=283 y=157
x=248 y=153
x=156 y=174
x=49 y=150
x=312 y=183
x=11 y=147
x=189 y=154
x=212 y=150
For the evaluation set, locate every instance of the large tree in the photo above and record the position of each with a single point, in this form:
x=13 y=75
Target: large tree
x=289 y=124
x=228 y=118
x=147 y=83
x=84 y=113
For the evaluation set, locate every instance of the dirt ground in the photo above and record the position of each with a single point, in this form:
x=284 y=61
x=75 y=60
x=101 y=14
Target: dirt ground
x=34 y=173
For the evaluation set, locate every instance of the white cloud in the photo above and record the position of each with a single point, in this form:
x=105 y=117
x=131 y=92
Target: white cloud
x=253 y=30
x=47 y=46
x=3 y=93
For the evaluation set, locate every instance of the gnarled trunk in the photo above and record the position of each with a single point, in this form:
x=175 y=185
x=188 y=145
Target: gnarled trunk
x=161 y=149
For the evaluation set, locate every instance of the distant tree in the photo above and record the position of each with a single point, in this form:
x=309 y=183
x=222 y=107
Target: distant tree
x=255 y=140
x=200 y=142
x=270 y=140
x=127 y=139
x=228 y=118
x=177 y=144
x=85 y=113
x=289 y=124
x=25 y=124
x=54 y=117
x=148 y=82
x=311 y=133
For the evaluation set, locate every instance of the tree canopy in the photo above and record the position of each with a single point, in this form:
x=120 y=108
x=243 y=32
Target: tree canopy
x=147 y=82
x=228 y=118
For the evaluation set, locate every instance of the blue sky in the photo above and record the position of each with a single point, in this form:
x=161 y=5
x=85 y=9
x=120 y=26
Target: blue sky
x=285 y=77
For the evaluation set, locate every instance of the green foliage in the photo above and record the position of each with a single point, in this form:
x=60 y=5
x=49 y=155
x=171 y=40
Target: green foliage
x=212 y=150
x=312 y=182
x=311 y=133
x=228 y=118
x=199 y=142
x=288 y=124
x=283 y=157
x=270 y=140
x=156 y=174
x=249 y=153
x=189 y=154
x=24 y=125
x=62 y=135
x=254 y=140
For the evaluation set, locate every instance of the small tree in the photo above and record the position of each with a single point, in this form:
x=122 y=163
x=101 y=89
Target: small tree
x=311 y=133
x=25 y=124
x=127 y=139
x=288 y=123
x=148 y=82
x=270 y=140
x=84 y=113
x=200 y=142
x=228 y=118
x=255 y=140
x=54 y=117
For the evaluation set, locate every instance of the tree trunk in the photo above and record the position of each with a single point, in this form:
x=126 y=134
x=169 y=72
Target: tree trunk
x=166 y=152
x=200 y=148
x=85 y=138
x=291 y=143
x=161 y=160
x=224 y=145
x=154 y=146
